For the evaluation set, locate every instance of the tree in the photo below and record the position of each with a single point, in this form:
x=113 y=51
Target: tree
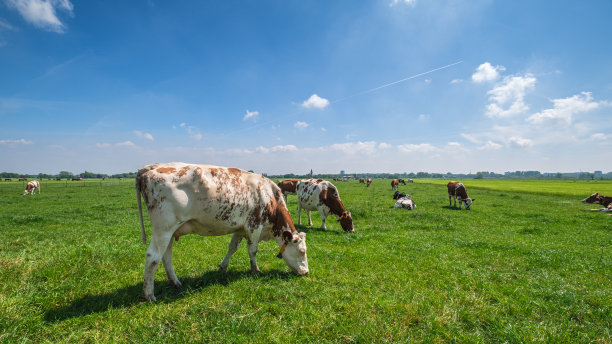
x=65 y=174
x=479 y=175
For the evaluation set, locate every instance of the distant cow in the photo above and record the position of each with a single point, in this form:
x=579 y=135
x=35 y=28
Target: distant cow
x=394 y=183
x=210 y=201
x=597 y=198
x=23 y=179
x=410 y=180
x=31 y=187
x=288 y=187
x=361 y=181
x=457 y=192
x=405 y=202
x=321 y=195
x=401 y=181
x=368 y=182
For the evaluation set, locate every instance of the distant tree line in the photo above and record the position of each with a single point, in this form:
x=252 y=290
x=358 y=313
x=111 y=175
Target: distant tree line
x=68 y=175
x=411 y=175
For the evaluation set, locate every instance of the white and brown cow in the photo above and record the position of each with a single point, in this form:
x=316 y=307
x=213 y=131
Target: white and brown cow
x=394 y=184
x=31 y=187
x=288 y=187
x=457 y=192
x=368 y=182
x=321 y=195
x=210 y=200
x=597 y=198
x=404 y=202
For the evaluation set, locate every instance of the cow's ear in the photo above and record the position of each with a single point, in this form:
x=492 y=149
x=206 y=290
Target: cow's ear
x=287 y=236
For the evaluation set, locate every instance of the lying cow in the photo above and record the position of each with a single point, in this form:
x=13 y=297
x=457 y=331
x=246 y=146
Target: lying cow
x=210 y=201
x=405 y=202
x=457 y=192
x=31 y=187
x=288 y=187
x=321 y=195
x=606 y=209
x=597 y=198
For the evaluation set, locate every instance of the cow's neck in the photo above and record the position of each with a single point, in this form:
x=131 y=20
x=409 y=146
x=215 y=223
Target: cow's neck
x=335 y=206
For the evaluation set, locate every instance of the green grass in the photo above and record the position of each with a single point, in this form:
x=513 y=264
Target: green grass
x=529 y=263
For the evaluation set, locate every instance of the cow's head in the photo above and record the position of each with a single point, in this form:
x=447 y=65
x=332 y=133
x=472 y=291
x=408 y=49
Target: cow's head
x=346 y=221
x=294 y=252
x=594 y=198
x=398 y=195
x=468 y=202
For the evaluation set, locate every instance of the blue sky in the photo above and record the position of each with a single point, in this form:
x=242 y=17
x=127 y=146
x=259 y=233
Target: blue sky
x=289 y=86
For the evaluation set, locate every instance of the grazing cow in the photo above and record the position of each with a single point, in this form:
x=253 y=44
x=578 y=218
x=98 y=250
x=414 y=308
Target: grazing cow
x=394 y=183
x=597 y=198
x=361 y=181
x=211 y=201
x=401 y=181
x=321 y=195
x=458 y=193
x=410 y=180
x=31 y=187
x=288 y=187
x=404 y=202
x=369 y=181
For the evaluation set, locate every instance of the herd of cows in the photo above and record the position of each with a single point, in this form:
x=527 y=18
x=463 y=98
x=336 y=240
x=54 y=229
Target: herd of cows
x=211 y=201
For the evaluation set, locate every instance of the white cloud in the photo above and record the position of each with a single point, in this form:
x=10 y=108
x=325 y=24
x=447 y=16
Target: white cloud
x=359 y=147
x=324 y=130
x=487 y=72
x=456 y=81
x=471 y=138
x=192 y=131
x=103 y=145
x=125 y=144
x=43 y=13
x=279 y=148
x=565 y=108
x=601 y=136
x=315 y=102
x=490 y=145
x=147 y=136
x=300 y=125
x=384 y=145
x=20 y=141
x=420 y=148
x=250 y=114
x=520 y=142
x=407 y=2
x=423 y=117
x=511 y=91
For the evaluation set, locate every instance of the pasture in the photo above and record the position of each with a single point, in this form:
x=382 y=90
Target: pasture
x=528 y=263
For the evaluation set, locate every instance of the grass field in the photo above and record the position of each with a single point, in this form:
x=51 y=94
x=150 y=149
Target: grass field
x=528 y=263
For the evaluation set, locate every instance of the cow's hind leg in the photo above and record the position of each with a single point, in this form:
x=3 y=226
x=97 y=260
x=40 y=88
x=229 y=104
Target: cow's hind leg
x=167 y=260
x=157 y=247
x=309 y=219
x=233 y=247
x=252 y=245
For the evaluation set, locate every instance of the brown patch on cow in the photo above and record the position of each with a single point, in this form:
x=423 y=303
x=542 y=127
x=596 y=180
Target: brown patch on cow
x=168 y=170
x=183 y=171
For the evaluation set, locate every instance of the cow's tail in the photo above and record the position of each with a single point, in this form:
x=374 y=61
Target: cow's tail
x=143 y=234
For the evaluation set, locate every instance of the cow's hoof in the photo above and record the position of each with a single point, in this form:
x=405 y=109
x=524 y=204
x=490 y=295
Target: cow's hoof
x=177 y=284
x=148 y=298
x=222 y=269
x=255 y=270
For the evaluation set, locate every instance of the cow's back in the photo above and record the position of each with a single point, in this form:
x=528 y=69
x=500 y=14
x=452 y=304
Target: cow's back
x=218 y=198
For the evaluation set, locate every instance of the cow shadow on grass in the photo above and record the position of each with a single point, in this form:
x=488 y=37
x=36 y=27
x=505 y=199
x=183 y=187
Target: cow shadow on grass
x=165 y=293
x=450 y=207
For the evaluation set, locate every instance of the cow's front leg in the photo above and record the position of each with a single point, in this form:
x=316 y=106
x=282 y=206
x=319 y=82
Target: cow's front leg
x=233 y=247
x=159 y=244
x=450 y=201
x=252 y=245
x=167 y=260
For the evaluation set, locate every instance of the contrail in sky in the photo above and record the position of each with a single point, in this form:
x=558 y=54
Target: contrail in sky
x=397 y=82
x=356 y=94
